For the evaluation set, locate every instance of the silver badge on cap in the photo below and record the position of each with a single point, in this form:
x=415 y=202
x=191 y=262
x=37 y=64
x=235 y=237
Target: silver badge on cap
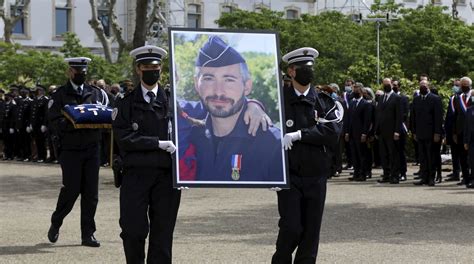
x=135 y=126
x=289 y=123
x=114 y=113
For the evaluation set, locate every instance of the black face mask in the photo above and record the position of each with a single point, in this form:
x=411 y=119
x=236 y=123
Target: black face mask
x=423 y=90
x=356 y=95
x=304 y=75
x=79 y=78
x=387 y=88
x=465 y=89
x=150 y=77
x=395 y=89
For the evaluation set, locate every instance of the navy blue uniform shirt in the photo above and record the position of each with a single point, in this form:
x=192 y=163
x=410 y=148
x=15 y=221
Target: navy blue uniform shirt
x=261 y=156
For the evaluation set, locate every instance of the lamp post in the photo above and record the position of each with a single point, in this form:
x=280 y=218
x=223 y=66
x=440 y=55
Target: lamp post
x=377 y=21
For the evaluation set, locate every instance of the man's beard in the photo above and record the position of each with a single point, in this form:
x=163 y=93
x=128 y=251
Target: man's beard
x=218 y=111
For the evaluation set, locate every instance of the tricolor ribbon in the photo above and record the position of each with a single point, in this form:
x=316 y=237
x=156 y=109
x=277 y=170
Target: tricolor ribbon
x=236 y=166
x=463 y=103
x=237 y=161
x=451 y=103
x=346 y=100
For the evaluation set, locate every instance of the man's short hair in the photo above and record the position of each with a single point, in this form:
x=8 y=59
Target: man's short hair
x=244 y=71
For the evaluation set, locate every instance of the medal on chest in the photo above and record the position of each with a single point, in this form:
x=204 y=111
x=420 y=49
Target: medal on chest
x=236 y=166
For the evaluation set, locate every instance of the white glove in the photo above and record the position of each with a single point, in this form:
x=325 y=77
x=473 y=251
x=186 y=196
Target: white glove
x=12 y=130
x=44 y=129
x=167 y=145
x=29 y=129
x=289 y=138
x=275 y=189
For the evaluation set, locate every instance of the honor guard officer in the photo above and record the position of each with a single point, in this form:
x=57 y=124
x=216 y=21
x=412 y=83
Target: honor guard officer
x=313 y=126
x=148 y=202
x=38 y=122
x=22 y=125
x=78 y=152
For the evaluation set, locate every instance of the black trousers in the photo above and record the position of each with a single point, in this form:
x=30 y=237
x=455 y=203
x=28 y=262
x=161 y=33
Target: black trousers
x=301 y=211
x=455 y=159
x=359 y=157
x=105 y=147
x=463 y=159
x=52 y=150
x=369 y=158
x=403 y=160
x=427 y=159
x=40 y=140
x=348 y=150
x=80 y=176
x=376 y=153
x=471 y=161
x=23 y=144
x=390 y=157
x=9 y=141
x=417 y=153
x=148 y=203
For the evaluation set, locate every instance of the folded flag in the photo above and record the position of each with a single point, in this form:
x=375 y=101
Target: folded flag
x=88 y=115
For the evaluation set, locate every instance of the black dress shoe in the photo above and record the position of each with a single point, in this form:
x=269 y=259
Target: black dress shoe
x=431 y=182
x=419 y=182
x=403 y=177
x=417 y=178
x=90 y=242
x=53 y=234
x=369 y=175
x=394 y=181
x=452 y=179
x=463 y=182
x=416 y=173
x=470 y=185
x=383 y=180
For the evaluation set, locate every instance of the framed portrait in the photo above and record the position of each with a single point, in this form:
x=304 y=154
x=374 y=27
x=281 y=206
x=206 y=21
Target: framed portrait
x=227 y=105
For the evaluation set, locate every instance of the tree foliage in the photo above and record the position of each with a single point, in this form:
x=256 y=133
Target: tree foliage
x=422 y=40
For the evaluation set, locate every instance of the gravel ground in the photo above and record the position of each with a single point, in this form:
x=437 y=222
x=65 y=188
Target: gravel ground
x=363 y=222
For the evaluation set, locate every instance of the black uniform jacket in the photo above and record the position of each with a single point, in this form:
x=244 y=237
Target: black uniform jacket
x=427 y=116
x=70 y=138
x=308 y=156
x=138 y=126
x=23 y=113
x=38 y=112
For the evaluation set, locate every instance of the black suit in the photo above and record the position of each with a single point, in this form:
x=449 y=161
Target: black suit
x=427 y=116
x=469 y=140
x=357 y=123
x=388 y=121
x=405 y=106
x=448 y=126
x=458 y=130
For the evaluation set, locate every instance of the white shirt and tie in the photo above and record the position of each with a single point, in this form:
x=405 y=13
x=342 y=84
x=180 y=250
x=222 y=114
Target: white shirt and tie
x=78 y=88
x=305 y=93
x=145 y=92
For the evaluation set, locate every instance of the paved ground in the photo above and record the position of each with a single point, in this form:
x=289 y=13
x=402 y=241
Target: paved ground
x=363 y=222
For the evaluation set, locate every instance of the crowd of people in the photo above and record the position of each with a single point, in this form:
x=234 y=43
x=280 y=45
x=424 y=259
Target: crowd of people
x=24 y=130
x=377 y=128
x=379 y=125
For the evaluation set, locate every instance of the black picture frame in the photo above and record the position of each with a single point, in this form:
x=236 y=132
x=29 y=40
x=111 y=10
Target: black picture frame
x=251 y=44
